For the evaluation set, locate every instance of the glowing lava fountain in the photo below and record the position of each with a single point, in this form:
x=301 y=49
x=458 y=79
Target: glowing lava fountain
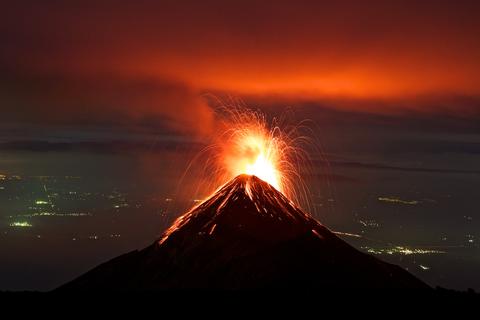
x=251 y=150
x=246 y=143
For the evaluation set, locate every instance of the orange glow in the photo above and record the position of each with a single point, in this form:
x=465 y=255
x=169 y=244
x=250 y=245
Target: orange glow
x=385 y=55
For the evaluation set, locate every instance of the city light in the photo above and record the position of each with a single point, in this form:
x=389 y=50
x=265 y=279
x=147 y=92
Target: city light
x=401 y=250
x=20 y=224
x=397 y=200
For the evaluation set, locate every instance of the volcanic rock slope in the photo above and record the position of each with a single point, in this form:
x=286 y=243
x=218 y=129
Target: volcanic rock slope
x=246 y=235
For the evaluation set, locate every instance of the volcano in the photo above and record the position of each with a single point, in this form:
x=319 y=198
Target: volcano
x=246 y=235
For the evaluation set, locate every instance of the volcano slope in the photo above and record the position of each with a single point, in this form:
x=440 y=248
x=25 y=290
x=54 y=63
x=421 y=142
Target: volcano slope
x=246 y=235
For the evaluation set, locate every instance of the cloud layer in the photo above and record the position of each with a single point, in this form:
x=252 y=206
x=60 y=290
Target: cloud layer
x=147 y=62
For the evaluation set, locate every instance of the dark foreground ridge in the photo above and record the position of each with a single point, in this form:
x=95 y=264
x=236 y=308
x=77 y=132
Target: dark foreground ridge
x=247 y=235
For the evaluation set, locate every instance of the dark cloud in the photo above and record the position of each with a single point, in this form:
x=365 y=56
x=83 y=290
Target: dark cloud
x=376 y=166
x=106 y=147
x=148 y=104
x=428 y=112
x=336 y=178
x=435 y=147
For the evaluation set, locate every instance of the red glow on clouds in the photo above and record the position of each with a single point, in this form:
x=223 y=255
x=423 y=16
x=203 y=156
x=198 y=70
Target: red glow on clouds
x=154 y=59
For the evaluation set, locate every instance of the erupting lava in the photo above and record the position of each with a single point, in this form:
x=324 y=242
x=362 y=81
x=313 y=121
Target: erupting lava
x=249 y=144
x=246 y=143
x=264 y=169
x=254 y=151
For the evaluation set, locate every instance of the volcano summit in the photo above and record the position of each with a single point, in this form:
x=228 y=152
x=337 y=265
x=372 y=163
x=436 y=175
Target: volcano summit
x=246 y=235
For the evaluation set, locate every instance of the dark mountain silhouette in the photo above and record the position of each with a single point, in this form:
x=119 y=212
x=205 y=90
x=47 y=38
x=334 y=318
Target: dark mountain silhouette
x=247 y=235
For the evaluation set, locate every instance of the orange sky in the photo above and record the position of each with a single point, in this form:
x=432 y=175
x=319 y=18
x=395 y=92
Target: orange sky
x=304 y=50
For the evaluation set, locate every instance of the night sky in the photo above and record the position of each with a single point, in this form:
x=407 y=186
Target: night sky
x=104 y=103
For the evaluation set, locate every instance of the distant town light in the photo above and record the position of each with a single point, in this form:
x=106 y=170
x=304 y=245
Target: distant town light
x=397 y=200
x=20 y=224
